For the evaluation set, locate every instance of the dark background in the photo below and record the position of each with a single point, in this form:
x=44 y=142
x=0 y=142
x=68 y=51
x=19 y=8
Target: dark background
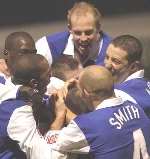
x=30 y=11
x=42 y=17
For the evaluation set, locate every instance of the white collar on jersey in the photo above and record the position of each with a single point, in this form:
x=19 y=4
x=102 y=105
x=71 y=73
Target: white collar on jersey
x=69 y=50
x=138 y=74
x=110 y=103
x=3 y=75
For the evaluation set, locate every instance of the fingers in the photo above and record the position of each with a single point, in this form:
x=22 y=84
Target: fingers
x=59 y=97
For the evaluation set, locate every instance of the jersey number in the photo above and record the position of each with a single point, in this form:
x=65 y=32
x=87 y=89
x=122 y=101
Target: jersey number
x=139 y=145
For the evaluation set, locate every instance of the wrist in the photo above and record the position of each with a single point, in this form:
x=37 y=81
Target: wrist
x=58 y=123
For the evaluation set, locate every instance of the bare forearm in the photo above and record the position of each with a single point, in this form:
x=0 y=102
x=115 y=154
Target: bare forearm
x=58 y=123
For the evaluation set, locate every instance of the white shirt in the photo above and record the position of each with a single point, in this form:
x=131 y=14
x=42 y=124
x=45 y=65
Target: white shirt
x=22 y=128
x=54 y=85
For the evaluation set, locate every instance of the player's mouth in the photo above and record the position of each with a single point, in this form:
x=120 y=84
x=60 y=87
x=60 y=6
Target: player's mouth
x=83 y=46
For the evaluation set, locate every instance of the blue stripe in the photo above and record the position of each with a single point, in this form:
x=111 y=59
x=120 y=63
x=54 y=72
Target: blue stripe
x=57 y=43
x=139 y=90
x=6 y=110
x=102 y=53
x=2 y=80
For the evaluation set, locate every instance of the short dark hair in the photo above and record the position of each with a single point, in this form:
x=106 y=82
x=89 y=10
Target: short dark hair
x=83 y=7
x=76 y=103
x=13 y=40
x=62 y=64
x=26 y=67
x=131 y=45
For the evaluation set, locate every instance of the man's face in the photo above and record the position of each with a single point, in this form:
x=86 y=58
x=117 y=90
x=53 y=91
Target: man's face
x=116 y=61
x=21 y=47
x=85 y=33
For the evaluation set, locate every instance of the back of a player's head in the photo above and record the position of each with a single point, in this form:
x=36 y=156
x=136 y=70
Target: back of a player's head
x=97 y=81
x=131 y=45
x=65 y=67
x=27 y=67
x=75 y=103
x=31 y=71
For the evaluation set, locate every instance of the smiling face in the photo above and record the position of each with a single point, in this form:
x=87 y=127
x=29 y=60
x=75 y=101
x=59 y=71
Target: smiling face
x=85 y=33
x=116 y=61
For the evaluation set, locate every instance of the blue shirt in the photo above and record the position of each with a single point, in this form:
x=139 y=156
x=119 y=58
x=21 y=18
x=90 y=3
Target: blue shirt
x=19 y=136
x=52 y=46
x=139 y=89
x=9 y=148
x=113 y=131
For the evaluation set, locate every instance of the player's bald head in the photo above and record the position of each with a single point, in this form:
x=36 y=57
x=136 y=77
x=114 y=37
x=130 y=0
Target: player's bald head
x=95 y=79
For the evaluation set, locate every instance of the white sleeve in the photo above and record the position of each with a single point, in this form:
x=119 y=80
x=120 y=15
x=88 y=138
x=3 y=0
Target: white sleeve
x=8 y=91
x=22 y=128
x=51 y=137
x=54 y=85
x=124 y=95
x=43 y=49
x=71 y=139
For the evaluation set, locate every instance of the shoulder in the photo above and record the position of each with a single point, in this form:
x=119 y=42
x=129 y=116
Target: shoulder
x=89 y=119
x=132 y=84
x=106 y=37
x=57 y=36
x=7 y=110
x=12 y=103
x=9 y=106
x=52 y=37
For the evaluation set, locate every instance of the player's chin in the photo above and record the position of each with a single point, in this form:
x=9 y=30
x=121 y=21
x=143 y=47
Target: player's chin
x=83 y=51
x=111 y=70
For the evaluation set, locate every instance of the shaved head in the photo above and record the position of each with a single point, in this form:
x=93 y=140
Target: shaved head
x=31 y=70
x=19 y=40
x=16 y=44
x=96 y=79
x=29 y=66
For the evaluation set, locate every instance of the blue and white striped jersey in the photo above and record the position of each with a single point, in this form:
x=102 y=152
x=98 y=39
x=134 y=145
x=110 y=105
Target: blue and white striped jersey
x=52 y=46
x=139 y=89
x=19 y=136
x=116 y=130
x=7 y=89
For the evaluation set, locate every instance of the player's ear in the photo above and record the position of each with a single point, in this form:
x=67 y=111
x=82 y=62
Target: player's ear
x=135 y=66
x=33 y=83
x=68 y=25
x=86 y=92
